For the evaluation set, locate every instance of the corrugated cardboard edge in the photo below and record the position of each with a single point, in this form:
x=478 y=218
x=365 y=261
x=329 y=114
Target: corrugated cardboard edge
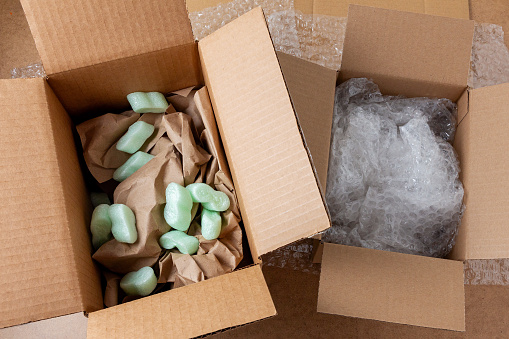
x=392 y=287
x=226 y=46
x=222 y=302
x=482 y=143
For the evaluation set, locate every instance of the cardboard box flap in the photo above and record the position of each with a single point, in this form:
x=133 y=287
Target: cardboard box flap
x=408 y=53
x=226 y=301
x=449 y=8
x=277 y=190
x=312 y=89
x=45 y=266
x=393 y=287
x=77 y=33
x=482 y=144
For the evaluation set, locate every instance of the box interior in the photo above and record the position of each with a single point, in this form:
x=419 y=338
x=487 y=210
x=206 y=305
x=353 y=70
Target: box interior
x=94 y=85
x=413 y=55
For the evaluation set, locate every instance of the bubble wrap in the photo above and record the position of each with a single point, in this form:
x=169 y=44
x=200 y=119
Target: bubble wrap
x=321 y=38
x=490 y=57
x=297 y=256
x=30 y=71
x=210 y=19
x=318 y=39
x=487 y=272
x=393 y=179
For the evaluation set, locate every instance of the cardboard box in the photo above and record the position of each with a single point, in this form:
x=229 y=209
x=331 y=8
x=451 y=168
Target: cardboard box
x=449 y=8
x=95 y=55
x=423 y=55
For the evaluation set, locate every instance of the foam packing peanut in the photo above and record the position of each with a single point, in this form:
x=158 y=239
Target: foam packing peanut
x=210 y=224
x=123 y=223
x=100 y=225
x=186 y=244
x=135 y=137
x=209 y=198
x=141 y=282
x=179 y=206
x=134 y=163
x=147 y=102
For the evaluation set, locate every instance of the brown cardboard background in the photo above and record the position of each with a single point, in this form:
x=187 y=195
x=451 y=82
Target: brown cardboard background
x=17 y=46
x=295 y=293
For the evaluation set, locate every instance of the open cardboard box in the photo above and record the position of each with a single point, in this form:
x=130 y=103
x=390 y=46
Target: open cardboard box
x=422 y=55
x=94 y=56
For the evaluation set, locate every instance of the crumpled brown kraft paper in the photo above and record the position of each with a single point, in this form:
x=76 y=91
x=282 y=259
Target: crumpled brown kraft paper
x=99 y=138
x=178 y=158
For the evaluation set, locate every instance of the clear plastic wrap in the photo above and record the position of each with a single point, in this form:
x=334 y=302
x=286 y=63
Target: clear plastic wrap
x=315 y=38
x=297 y=256
x=487 y=272
x=490 y=57
x=210 y=19
x=393 y=177
x=31 y=71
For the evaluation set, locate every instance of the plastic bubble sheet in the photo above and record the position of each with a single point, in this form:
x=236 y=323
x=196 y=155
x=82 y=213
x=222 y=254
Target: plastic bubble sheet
x=210 y=19
x=31 y=71
x=314 y=38
x=487 y=272
x=297 y=256
x=393 y=181
x=490 y=57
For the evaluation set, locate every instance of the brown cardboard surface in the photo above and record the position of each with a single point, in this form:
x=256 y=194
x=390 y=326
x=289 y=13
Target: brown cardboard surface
x=462 y=103
x=486 y=306
x=449 y=8
x=64 y=327
x=45 y=270
x=17 y=46
x=482 y=146
x=277 y=189
x=295 y=297
x=104 y=87
x=78 y=33
x=407 y=53
x=312 y=89
x=198 y=5
x=77 y=203
x=226 y=301
x=392 y=287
